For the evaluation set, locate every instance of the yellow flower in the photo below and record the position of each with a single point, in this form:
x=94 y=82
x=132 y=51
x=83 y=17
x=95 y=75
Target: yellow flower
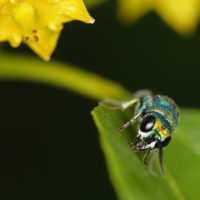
x=38 y=23
x=181 y=15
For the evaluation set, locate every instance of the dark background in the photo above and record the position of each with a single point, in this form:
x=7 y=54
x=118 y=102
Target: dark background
x=49 y=143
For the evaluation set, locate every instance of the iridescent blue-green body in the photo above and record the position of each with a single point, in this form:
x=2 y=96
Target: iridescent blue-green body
x=158 y=116
x=163 y=109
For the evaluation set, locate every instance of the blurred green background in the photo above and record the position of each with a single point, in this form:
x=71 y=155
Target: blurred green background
x=40 y=151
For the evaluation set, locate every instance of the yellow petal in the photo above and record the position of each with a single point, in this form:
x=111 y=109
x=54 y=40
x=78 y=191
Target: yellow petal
x=131 y=10
x=44 y=42
x=38 y=23
x=10 y=31
x=181 y=15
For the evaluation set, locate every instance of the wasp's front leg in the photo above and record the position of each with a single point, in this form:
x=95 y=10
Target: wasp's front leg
x=118 y=105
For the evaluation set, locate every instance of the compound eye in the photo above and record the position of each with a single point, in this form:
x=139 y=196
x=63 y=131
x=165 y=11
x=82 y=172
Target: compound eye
x=147 y=123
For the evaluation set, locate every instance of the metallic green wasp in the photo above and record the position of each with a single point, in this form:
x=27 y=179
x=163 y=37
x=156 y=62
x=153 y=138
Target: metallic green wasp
x=158 y=117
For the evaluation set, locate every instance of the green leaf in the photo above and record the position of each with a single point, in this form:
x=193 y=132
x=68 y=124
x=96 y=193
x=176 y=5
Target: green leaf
x=128 y=175
x=131 y=179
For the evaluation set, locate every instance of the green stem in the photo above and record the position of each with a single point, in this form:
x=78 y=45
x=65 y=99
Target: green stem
x=17 y=67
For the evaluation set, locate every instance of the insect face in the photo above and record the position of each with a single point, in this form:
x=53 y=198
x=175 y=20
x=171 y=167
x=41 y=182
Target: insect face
x=146 y=137
x=150 y=134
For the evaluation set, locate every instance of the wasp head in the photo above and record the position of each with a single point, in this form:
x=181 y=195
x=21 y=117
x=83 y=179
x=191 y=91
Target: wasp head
x=147 y=137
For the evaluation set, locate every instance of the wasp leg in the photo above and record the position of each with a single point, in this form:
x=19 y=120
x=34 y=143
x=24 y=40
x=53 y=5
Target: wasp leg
x=111 y=107
x=130 y=144
x=161 y=160
x=146 y=156
x=117 y=105
x=132 y=121
x=126 y=125
x=150 y=164
x=142 y=93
